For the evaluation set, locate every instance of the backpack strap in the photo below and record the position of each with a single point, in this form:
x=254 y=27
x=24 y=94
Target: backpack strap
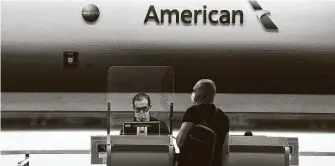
x=214 y=117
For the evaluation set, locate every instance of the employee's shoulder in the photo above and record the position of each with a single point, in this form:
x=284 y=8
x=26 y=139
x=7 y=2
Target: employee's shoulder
x=155 y=119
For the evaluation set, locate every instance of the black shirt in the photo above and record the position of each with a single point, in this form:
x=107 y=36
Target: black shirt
x=164 y=129
x=206 y=113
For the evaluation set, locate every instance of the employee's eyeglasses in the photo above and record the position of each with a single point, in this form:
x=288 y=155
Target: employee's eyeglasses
x=143 y=109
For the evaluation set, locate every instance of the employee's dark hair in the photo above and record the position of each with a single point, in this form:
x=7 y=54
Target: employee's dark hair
x=248 y=133
x=139 y=97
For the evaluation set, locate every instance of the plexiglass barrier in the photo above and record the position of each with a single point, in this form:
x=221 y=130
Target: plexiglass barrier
x=140 y=94
x=140 y=103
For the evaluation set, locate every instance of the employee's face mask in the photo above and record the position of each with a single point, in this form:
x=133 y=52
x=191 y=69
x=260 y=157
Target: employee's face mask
x=142 y=114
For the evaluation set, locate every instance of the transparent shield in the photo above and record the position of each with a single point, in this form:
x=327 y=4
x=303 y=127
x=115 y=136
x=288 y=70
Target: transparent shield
x=140 y=100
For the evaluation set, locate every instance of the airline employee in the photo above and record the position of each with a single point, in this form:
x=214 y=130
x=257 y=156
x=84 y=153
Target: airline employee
x=142 y=106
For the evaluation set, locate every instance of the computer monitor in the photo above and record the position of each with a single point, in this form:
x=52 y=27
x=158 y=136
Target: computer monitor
x=141 y=128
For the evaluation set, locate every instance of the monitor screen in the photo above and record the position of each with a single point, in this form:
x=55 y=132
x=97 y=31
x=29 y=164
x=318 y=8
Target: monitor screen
x=141 y=128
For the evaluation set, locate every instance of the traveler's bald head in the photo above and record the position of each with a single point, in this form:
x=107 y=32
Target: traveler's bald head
x=205 y=90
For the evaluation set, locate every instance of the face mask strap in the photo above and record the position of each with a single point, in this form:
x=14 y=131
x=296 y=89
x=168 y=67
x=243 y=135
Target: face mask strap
x=193 y=97
x=200 y=98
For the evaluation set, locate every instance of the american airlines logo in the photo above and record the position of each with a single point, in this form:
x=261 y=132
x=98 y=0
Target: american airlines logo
x=211 y=16
x=188 y=16
x=263 y=16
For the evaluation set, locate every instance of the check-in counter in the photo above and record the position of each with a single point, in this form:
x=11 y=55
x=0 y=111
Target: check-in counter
x=132 y=150
x=159 y=151
x=258 y=150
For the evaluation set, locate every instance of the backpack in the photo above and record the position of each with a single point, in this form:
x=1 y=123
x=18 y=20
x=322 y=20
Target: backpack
x=198 y=149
